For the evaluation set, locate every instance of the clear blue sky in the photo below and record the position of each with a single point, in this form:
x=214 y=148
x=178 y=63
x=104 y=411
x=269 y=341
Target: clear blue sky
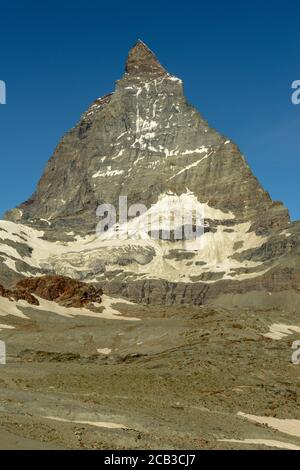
x=237 y=59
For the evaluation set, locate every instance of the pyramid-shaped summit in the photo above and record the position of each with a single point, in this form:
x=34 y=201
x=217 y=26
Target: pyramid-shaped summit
x=143 y=140
x=142 y=61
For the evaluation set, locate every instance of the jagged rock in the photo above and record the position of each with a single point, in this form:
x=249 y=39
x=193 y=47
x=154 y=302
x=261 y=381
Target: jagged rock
x=18 y=294
x=142 y=62
x=63 y=290
x=60 y=289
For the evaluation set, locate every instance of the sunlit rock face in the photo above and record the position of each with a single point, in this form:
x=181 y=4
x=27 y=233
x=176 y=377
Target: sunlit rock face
x=142 y=140
x=146 y=142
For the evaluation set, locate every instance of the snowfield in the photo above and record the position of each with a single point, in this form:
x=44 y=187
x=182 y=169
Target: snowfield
x=179 y=260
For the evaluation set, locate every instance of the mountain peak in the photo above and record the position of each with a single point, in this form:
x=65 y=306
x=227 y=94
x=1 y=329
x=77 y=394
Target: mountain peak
x=145 y=136
x=142 y=61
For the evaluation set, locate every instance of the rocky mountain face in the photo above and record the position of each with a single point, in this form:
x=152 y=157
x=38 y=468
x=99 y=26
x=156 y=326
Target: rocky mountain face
x=146 y=142
x=141 y=141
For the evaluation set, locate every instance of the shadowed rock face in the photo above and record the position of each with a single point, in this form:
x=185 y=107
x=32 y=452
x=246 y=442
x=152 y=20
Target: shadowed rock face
x=141 y=141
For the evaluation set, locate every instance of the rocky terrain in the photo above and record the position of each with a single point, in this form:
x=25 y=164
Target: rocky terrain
x=65 y=291
x=142 y=340
x=154 y=378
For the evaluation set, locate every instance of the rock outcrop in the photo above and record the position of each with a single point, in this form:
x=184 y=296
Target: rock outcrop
x=63 y=290
x=18 y=294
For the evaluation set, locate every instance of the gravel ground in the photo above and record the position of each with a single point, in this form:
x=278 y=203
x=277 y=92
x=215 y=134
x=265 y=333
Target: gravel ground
x=175 y=379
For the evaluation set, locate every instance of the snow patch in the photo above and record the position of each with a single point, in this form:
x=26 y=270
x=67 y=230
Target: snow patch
x=108 y=313
x=11 y=307
x=108 y=172
x=97 y=424
x=192 y=165
x=287 y=426
x=279 y=330
x=6 y=327
x=202 y=149
x=105 y=351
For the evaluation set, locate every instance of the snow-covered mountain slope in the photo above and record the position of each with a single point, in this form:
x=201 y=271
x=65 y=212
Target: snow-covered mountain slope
x=228 y=253
x=131 y=249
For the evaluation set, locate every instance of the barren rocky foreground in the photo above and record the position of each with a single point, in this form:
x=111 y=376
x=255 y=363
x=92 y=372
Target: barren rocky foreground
x=171 y=377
